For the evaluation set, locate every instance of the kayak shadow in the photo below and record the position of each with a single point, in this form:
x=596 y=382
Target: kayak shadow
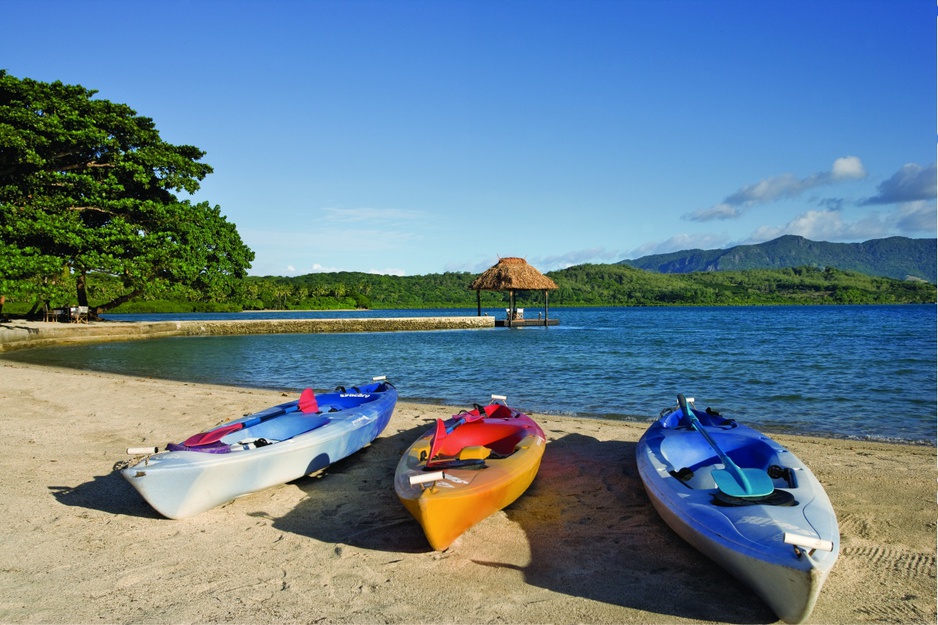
x=107 y=493
x=353 y=502
x=593 y=533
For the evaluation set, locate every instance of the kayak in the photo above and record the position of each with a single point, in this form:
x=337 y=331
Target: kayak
x=467 y=468
x=743 y=500
x=260 y=450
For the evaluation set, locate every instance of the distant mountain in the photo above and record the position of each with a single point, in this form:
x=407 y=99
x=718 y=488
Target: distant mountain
x=896 y=257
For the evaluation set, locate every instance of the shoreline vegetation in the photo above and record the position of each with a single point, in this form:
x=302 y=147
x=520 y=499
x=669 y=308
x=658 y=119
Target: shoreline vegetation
x=82 y=546
x=578 y=286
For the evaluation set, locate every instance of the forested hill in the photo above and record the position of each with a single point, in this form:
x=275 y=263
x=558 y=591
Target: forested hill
x=896 y=257
x=582 y=285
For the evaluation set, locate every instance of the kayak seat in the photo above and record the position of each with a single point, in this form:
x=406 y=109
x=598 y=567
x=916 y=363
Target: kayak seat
x=280 y=428
x=694 y=452
x=475 y=452
x=775 y=498
x=498 y=436
x=454 y=463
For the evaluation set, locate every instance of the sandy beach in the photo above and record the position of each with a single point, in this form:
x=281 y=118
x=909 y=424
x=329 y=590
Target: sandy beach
x=583 y=545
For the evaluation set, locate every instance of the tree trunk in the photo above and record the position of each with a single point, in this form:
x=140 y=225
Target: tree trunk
x=117 y=301
x=81 y=286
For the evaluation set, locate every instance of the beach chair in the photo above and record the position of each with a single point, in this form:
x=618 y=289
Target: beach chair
x=79 y=314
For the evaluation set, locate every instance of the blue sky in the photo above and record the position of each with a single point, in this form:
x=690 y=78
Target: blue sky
x=415 y=137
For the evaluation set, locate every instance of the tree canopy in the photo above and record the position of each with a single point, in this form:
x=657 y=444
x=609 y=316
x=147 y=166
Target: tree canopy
x=87 y=186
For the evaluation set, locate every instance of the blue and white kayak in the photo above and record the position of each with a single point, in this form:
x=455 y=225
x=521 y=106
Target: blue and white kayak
x=270 y=447
x=744 y=501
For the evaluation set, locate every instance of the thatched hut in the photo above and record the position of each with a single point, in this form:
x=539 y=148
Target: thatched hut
x=513 y=274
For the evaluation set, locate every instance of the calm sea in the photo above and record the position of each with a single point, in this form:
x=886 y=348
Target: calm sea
x=865 y=372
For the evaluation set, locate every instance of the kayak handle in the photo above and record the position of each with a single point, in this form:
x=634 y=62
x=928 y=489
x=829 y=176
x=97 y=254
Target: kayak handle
x=807 y=542
x=422 y=478
x=136 y=451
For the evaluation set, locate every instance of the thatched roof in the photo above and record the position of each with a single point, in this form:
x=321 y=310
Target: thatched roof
x=512 y=274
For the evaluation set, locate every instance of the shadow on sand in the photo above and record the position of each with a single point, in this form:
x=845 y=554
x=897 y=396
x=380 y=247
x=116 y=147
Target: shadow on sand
x=108 y=493
x=352 y=502
x=592 y=530
x=593 y=533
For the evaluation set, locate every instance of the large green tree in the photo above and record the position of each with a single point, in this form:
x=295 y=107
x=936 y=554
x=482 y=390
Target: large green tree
x=88 y=186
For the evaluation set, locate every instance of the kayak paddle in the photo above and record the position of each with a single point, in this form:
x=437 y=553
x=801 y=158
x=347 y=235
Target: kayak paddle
x=307 y=403
x=732 y=480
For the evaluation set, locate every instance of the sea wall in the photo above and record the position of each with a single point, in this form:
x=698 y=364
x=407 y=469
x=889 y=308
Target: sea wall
x=25 y=334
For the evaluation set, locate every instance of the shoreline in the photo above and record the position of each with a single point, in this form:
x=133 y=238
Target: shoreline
x=19 y=334
x=583 y=544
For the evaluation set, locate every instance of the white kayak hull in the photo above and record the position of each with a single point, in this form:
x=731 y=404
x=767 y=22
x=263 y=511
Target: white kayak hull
x=180 y=484
x=747 y=539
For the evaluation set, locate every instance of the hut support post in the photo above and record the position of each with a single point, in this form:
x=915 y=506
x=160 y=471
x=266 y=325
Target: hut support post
x=511 y=307
x=545 y=307
x=479 y=302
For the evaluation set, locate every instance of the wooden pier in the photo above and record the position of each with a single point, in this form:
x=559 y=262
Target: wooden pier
x=526 y=323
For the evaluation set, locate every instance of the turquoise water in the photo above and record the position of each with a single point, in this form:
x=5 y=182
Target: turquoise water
x=842 y=371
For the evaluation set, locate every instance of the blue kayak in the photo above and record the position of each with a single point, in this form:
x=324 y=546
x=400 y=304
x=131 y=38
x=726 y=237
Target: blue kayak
x=270 y=447
x=743 y=500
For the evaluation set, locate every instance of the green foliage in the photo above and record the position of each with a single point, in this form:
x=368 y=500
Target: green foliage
x=583 y=285
x=620 y=285
x=363 y=290
x=167 y=306
x=88 y=187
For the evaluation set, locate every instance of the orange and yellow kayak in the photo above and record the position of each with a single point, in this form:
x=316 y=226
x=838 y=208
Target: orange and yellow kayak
x=467 y=468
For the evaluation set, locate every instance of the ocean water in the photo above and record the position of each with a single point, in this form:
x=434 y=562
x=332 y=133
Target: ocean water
x=865 y=372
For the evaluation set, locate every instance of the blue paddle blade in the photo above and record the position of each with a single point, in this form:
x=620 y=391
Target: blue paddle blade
x=732 y=480
x=746 y=483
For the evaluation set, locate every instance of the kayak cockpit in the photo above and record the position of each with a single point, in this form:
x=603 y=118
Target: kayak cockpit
x=501 y=438
x=691 y=460
x=693 y=452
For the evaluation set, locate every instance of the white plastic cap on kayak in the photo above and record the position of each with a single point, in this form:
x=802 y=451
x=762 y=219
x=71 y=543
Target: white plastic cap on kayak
x=379 y=377
x=423 y=478
x=500 y=397
x=136 y=451
x=807 y=542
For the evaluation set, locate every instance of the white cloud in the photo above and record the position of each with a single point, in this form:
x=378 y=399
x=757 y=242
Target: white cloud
x=679 y=243
x=717 y=211
x=575 y=257
x=825 y=225
x=911 y=183
x=847 y=168
x=918 y=219
x=785 y=186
